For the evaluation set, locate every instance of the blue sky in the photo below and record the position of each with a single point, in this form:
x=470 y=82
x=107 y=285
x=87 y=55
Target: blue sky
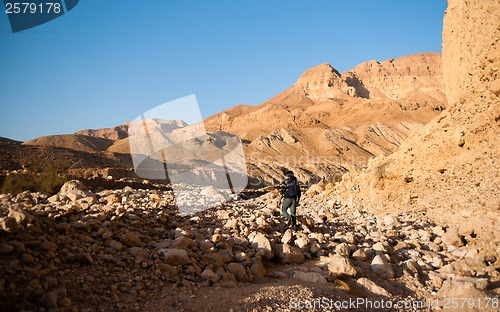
x=105 y=62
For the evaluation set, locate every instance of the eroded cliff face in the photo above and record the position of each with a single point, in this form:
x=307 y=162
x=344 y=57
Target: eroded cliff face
x=449 y=168
x=417 y=77
x=470 y=47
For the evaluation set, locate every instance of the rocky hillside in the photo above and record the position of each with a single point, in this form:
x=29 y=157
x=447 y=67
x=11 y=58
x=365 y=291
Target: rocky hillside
x=449 y=169
x=76 y=142
x=115 y=133
x=329 y=123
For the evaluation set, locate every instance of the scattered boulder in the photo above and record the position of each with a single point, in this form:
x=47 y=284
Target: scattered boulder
x=260 y=242
x=288 y=254
x=340 y=265
x=74 y=190
x=382 y=267
x=175 y=256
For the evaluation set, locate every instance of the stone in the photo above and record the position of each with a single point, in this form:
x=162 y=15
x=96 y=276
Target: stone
x=209 y=275
x=359 y=255
x=139 y=252
x=241 y=256
x=343 y=249
x=231 y=224
x=113 y=199
x=372 y=287
x=84 y=258
x=206 y=246
x=21 y=217
x=452 y=238
x=257 y=269
x=381 y=247
x=466 y=228
x=183 y=243
x=113 y=244
x=436 y=262
x=315 y=189
x=49 y=300
x=287 y=237
x=217 y=238
x=6 y=248
x=382 y=267
x=8 y=224
x=340 y=265
x=131 y=239
x=238 y=271
x=260 y=242
x=391 y=220
x=155 y=197
x=303 y=243
x=175 y=256
x=412 y=266
x=217 y=260
x=288 y=254
x=310 y=277
x=314 y=248
x=75 y=190
x=227 y=254
x=46 y=245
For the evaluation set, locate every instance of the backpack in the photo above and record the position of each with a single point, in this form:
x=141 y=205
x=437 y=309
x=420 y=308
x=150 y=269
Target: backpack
x=289 y=187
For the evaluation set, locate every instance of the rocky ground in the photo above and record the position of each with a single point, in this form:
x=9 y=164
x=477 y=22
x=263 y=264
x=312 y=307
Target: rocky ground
x=128 y=249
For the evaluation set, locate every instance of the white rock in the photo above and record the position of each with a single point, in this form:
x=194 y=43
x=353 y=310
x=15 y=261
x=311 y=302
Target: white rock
x=340 y=265
x=382 y=267
x=260 y=242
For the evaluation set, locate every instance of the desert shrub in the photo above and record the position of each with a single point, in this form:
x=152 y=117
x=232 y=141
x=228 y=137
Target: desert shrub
x=46 y=179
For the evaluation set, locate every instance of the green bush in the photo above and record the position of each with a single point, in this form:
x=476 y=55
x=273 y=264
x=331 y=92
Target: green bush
x=47 y=179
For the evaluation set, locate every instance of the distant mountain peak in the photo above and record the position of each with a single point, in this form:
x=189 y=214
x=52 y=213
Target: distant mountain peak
x=321 y=83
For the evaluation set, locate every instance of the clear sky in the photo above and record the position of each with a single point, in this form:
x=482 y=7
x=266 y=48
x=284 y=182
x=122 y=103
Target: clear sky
x=107 y=61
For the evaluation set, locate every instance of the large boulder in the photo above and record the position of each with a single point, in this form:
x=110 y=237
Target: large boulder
x=288 y=254
x=260 y=242
x=74 y=190
x=340 y=265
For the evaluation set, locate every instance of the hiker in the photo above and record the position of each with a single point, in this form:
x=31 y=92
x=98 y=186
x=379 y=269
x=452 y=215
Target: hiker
x=290 y=193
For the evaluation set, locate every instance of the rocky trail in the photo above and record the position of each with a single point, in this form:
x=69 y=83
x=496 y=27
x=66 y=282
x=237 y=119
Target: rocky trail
x=128 y=249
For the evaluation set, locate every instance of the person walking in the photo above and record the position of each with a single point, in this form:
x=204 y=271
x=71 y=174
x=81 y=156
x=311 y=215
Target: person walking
x=290 y=193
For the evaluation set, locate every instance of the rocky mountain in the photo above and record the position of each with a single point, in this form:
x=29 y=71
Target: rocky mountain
x=329 y=123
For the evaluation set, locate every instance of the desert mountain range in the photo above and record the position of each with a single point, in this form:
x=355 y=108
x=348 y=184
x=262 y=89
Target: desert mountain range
x=414 y=218
x=326 y=124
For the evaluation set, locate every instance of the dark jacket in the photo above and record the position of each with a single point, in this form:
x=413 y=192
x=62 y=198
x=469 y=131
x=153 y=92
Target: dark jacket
x=290 y=188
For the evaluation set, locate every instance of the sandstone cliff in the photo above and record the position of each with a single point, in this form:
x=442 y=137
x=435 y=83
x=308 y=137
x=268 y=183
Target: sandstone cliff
x=449 y=169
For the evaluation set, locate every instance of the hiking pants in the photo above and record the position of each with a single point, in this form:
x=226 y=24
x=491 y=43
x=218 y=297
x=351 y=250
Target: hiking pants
x=292 y=204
